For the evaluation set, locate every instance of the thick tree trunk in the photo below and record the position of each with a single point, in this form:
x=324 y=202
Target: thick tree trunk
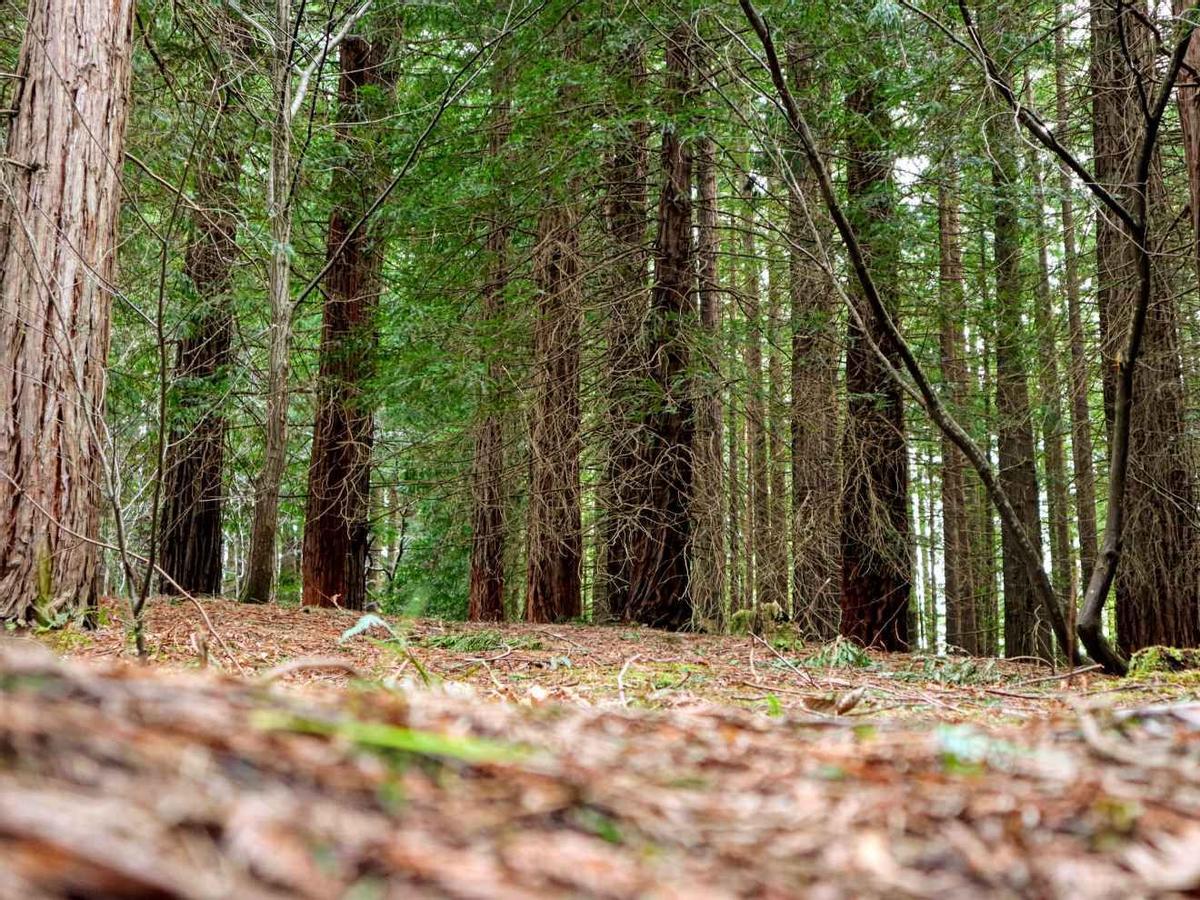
x=191 y=516
x=337 y=516
x=1158 y=580
x=876 y=552
x=625 y=362
x=659 y=593
x=555 y=532
x=489 y=497
x=261 y=561
x=1081 y=419
x=816 y=473
x=59 y=202
x=962 y=627
x=708 y=514
x=1026 y=632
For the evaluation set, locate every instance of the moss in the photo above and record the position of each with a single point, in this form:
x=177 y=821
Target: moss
x=1156 y=660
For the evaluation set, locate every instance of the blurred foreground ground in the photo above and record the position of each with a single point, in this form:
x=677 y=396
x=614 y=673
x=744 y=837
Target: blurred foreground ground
x=273 y=755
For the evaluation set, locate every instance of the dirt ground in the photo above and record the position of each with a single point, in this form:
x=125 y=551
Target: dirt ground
x=273 y=752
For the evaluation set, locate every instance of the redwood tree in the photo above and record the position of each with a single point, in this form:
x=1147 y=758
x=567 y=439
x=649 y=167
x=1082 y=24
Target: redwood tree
x=659 y=589
x=195 y=462
x=336 y=524
x=59 y=201
x=875 y=549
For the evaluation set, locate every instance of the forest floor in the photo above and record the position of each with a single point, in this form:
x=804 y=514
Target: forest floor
x=278 y=752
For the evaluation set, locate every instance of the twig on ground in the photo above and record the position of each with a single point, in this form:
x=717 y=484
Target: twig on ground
x=1060 y=676
x=309 y=664
x=621 y=678
x=787 y=662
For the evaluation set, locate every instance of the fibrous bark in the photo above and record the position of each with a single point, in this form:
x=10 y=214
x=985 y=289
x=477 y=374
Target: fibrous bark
x=875 y=546
x=337 y=517
x=1158 y=576
x=59 y=202
x=191 y=516
x=659 y=589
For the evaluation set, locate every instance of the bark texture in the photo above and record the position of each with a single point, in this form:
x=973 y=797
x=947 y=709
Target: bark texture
x=876 y=553
x=660 y=593
x=625 y=362
x=337 y=516
x=489 y=497
x=1026 y=632
x=962 y=627
x=1158 y=579
x=59 y=202
x=191 y=516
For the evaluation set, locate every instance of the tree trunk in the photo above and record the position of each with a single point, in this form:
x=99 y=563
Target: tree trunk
x=708 y=514
x=775 y=542
x=489 y=497
x=1188 y=94
x=191 y=516
x=337 y=517
x=625 y=363
x=659 y=593
x=1157 y=580
x=1081 y=420
x=59 y=201
x=816 y=474
x=876 y=552
x=260 y=565
x=758 y=492
x=735 y=429
x=1026 y=633
x=1051 y=419
x=962 y=627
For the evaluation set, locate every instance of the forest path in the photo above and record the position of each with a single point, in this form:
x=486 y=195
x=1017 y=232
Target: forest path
x=622 y=763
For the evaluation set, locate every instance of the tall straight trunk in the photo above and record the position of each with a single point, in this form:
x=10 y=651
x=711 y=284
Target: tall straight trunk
x=261 y=562
x=195 y=462
x=1026 y=633
x=337 y=518
x=59 y=201
x=983 y=536
x=775 y=573
x=624 y=362
x=1188 y=94
x=930 y=550
x=489 y=497
x=816 y=474
x=554 y=556
x=1081 y=419
x=735 y=429
x=758 y=496
x=659 y=588
x=1051 y=421
x=876 y=552
x=708 y=514
x=1158 y=579
x=962 y=626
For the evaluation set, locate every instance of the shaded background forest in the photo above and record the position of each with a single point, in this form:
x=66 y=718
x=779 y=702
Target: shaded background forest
x=535 y=311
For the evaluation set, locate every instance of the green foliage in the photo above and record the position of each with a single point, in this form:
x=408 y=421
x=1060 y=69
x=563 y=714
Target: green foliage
x=480 y=641
x=841 y=654
x=1159 y=660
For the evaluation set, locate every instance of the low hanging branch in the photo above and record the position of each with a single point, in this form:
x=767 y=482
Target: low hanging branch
x=1136 y=224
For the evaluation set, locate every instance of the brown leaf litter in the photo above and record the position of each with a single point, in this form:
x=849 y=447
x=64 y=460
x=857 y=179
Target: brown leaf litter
x=152 y=781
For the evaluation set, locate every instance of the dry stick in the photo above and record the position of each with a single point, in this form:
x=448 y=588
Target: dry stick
x=621 y=678
x=929 y=398
x=1060 y=676
x=787 y=662
x=1136 y=223
x=309 y=664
